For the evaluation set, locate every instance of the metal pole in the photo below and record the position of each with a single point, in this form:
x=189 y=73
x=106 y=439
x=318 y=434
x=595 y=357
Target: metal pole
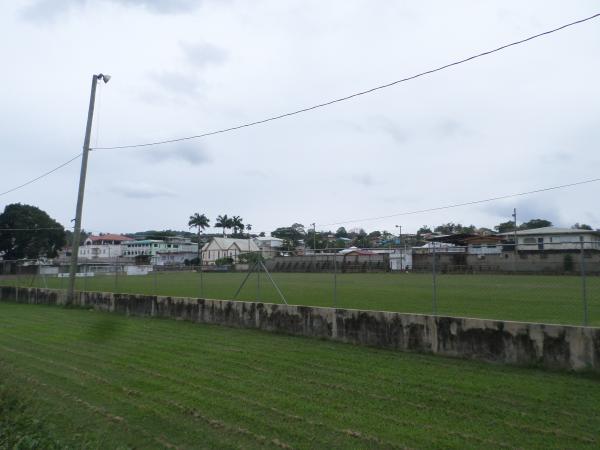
x=584 y=287
x=155 y=280
x=201 y=275
x=258 y=281
x=334 y=281
x=79 y=209
x=116 y=276
x=434 y=281
x=515 y=239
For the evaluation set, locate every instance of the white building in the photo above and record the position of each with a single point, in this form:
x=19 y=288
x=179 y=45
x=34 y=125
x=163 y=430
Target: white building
x=269 y=246
x=103 y=247
x=219 y=247
x=172 y=258
x=554 y=238
x=152 y=247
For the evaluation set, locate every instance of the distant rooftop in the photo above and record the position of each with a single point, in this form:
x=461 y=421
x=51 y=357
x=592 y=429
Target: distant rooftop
x=110 y=237
x=549 y=230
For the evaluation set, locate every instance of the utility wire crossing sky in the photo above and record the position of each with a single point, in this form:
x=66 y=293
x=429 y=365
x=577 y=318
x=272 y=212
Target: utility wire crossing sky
x=510 y=124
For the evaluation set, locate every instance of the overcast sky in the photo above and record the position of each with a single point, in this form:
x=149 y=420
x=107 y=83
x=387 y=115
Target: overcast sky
x=522 y=119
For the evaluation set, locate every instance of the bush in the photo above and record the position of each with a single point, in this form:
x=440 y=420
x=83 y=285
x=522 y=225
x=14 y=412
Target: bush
x=250 y=258
x=224 y=261
x=19 y=428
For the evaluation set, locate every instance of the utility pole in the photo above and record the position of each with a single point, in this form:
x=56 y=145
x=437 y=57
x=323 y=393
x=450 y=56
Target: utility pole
x=82 y=174
x=514 y=214
x=314 y=238
x=400 y=244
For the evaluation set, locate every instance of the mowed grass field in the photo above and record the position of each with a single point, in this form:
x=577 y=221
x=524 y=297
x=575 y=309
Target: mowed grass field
x=547 y=299
x=98 y=380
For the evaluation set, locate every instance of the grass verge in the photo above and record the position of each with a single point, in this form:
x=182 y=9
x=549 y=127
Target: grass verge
x=115 y=382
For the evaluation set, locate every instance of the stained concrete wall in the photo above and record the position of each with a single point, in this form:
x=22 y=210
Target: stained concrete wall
x=551 y=346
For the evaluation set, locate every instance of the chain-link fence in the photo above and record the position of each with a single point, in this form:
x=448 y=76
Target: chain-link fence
x=536 y=282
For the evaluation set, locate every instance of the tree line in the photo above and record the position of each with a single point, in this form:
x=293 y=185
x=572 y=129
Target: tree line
x=28 y=232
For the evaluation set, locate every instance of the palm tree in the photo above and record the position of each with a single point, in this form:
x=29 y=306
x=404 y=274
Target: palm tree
x=236 y=223
x=248 y=228
x=223 y=222
x=199 y=221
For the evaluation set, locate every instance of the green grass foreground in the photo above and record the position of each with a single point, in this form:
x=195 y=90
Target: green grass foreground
x=106 y=381
x=529 y=298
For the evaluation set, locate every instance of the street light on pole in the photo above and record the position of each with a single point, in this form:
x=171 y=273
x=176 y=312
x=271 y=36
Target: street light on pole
x=82 y=175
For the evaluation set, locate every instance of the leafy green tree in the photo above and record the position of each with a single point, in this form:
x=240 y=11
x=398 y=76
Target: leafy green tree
x=82 y=237
x=446 y=228
x=505 y=227
x=200 y=222
x=535 y=223
x=361 y=239
x=29 y=232
x=341 y=233
x=290 y=235
x=424 y=230
x=581 y=226
x=454 y=228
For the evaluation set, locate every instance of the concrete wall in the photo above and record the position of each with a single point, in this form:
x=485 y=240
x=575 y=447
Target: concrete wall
x=324 y=263
x=526 y=262
x=550 y=346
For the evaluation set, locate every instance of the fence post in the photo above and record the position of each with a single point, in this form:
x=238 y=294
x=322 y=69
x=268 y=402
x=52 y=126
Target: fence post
x=434 y=280
x=583 y=286
x=85 y=278
x=154 y=280
x=334 y=280
x=257 y=282
x=201 y=274
x=116 y=276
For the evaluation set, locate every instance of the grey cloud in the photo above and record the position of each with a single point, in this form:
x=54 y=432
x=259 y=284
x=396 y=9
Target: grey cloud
x=395 y=131
x=41 y=10
x=178 y=83
x=557 y=157
x=141 y=190
x=363 y=179
x=191 y=154
x=163 y=6
x=203 y=54
x=255 y=173
x=449 y=128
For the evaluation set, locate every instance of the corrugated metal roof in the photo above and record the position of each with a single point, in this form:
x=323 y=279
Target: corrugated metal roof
x=226 y=243
x=549 y=230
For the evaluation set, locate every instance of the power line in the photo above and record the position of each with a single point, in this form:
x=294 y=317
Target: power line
x=348 y=97
x=31 y=229
x=42 y=175
x=456 y=205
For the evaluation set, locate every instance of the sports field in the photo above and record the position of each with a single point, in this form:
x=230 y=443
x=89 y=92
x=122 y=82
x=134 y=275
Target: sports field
x=105 y=381
x=548 y=299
